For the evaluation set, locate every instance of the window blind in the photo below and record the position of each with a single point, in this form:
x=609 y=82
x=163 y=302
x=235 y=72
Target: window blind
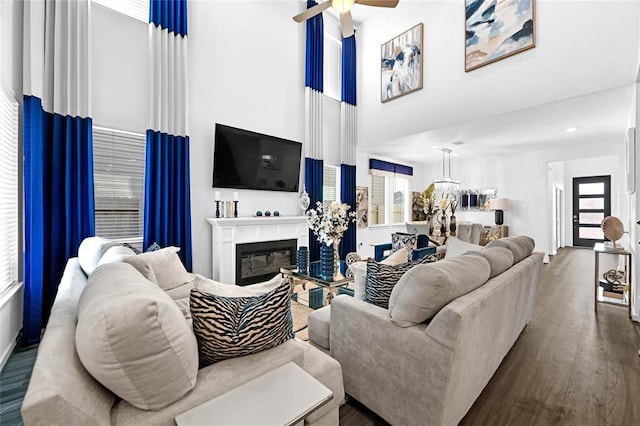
x=330 y=184
x=137 y=9
x=8 y=189
x=118 y=171
x=377 y=209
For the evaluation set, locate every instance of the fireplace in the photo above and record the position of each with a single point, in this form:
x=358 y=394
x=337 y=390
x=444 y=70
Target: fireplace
x=260 y=261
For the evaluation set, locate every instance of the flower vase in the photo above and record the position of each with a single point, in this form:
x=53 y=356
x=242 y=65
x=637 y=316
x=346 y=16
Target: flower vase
x=336 y=259
x=430 y=225
x=327 y=260
x=443 y=225
x=452 y=226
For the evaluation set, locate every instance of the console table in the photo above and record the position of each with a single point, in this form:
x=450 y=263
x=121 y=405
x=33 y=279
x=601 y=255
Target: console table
x=598 y=249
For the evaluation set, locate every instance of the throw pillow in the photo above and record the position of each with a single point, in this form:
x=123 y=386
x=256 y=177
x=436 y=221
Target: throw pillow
x=425 y=289
x=153 y=247
x=457 y=247
x=115 y=254
x=382 y=278
x=132 y=338
x=162 y=267
x=230 y=290
x=400 y=240
x=359 y=271
x=91 y=251
x=229 y=327
x=129 y=246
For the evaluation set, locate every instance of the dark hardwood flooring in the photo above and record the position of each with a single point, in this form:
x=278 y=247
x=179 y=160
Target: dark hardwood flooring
x=570 y=366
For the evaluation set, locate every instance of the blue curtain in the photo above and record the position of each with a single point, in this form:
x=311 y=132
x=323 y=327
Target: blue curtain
x=167 y=202
x=348 y=195
x=314 y=171
x=59 y=204
x=348 y=92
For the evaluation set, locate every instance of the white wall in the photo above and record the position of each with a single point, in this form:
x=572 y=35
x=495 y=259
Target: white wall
x=11 y=301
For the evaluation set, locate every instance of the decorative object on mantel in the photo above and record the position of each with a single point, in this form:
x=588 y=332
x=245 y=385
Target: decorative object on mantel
x=217 y=199
x=328 y=223
x=259 y=213
x=496 y=31
x=612 y=228
x=304 y=200
x=499 y=205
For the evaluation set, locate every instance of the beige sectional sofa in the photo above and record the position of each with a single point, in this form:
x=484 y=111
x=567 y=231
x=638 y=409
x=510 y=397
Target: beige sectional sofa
x=63 y=392
x=422 y=363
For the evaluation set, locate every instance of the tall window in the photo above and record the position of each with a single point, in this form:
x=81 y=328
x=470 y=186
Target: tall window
x=389 y=197
x=330 y=184
x=8 y=189
x=118 y=171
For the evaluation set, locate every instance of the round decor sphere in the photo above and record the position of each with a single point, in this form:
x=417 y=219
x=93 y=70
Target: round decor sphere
x=612 y=228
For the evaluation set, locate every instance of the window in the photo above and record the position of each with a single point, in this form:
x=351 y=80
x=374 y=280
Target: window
x=137 y=9
x=389 y=193
x=332 y=64
x=8 y=189
x=330 y=184
x=118 y=171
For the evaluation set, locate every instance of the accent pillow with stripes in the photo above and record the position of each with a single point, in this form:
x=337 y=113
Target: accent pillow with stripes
x=382 y=278
x=229 y=327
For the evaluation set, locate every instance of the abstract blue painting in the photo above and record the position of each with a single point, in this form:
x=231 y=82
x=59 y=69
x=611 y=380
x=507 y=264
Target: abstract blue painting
x=496 y=29
x=401 y=64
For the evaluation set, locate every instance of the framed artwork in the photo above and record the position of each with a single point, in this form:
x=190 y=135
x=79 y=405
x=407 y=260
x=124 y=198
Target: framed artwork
x=631 y=159
x=362 y=206
x=417 y=207
x=497 y=29
x=401 y=64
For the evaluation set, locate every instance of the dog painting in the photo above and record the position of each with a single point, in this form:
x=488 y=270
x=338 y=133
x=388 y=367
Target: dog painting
x=401 y=64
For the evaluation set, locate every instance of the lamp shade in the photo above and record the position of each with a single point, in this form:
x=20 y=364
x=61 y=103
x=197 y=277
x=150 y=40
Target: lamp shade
x=499 y=204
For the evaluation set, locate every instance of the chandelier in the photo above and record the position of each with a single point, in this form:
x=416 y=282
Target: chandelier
x=446 y=184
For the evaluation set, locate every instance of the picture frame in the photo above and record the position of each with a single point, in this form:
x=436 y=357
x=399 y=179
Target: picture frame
x=362 y=206
x=401 y=64
x=630 y=143
x=496 y=30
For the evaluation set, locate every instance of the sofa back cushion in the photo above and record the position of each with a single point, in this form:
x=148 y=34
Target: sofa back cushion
x=457 y=247
x=162 y=267
x=520 y=245
x=132 y=338
x=115 y=254
x=91 y=251
x=500 y=259
x=425 y=289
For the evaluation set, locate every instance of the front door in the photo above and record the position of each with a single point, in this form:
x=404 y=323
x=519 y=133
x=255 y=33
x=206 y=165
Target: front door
x=591 y=204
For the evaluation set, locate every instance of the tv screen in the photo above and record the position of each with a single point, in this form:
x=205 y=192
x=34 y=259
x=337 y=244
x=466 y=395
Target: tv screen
x=249 y=160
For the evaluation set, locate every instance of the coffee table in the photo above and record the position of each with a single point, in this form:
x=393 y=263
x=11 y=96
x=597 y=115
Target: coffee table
x=282 y=396
x=292 y=274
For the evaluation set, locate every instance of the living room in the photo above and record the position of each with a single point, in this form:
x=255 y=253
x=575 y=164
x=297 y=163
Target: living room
x=247 y=67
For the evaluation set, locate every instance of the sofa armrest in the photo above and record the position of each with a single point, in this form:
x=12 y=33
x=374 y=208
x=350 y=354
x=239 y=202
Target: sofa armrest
x=382 y=362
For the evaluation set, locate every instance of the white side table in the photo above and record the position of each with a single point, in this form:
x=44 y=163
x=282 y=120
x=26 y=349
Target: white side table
x=282 y=396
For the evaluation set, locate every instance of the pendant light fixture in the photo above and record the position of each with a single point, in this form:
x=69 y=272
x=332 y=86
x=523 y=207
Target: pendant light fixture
x=446 y=184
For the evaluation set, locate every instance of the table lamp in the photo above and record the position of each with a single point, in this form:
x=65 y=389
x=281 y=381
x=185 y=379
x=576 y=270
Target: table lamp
x=499 y=205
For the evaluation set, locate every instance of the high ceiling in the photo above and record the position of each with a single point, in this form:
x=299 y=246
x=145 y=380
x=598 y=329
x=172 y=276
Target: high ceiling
x=581 y=74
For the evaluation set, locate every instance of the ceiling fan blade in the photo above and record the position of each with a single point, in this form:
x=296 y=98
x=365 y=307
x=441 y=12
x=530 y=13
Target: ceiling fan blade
x=310 y=13
x=346 y=23
x=379 y=3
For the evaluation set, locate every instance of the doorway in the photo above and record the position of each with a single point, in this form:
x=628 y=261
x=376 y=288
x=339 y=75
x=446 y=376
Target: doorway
x=558 y=218
x=591 y=204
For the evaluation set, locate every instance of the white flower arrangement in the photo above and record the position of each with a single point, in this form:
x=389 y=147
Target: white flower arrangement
x=328 y=223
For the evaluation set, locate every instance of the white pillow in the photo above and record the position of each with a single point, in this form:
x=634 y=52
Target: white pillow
x=116 y=254
x=162 y=267
x=231 y=290
x=90 y=252
x=359 y=270
x=457 y=247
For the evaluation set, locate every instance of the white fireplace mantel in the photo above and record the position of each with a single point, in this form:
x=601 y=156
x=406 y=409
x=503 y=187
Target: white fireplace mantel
x=226 y=233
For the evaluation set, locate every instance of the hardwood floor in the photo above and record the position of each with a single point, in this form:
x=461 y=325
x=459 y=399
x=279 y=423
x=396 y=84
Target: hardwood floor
x=570 y=366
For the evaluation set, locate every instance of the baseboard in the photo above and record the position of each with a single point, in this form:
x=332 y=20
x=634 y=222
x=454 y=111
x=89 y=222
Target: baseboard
x=7 y=353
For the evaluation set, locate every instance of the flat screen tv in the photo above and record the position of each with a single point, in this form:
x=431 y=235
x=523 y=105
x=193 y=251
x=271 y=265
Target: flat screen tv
x=250 y=160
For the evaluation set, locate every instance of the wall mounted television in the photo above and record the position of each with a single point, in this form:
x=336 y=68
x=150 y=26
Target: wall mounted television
x=248 y=160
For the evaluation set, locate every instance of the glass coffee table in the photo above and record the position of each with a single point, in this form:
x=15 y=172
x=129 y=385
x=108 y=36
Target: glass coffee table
x=311 y=288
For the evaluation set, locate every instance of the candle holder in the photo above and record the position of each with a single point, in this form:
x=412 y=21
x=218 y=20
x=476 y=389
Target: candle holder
x=235 y=208
x=217 y=208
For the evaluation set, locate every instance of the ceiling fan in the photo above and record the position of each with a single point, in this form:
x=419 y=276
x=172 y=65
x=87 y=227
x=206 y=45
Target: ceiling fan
x=343 y=7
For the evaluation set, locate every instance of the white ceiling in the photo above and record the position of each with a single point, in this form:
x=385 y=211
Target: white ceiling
x=581 y=74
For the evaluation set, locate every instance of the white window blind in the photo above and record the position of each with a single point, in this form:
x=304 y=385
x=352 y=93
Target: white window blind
x=137 y=9
x=8 y=189
x=330 y=184
x=377 y=209
x=118 y=171
x=332 y=67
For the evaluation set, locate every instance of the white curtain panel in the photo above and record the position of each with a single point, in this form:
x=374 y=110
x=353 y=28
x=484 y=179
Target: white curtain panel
x=56 y=61
x=168 y=58
x=314 y=117
x=348 y=133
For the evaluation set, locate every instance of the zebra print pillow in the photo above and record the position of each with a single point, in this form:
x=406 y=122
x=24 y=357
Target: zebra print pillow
x=229 y=327
x=382 y=278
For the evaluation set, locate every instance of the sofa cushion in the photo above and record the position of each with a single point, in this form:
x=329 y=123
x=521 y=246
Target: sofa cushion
x=91 y=251
x=381 y=279
x=359 y=270
x=520 y=245
x=228 y=327
x=115 y=254
x=128 y=331
x=500 y=259
x=457 y=247
x=401 y=240
x=426 y=289
x=320 y=326
x=162 y=267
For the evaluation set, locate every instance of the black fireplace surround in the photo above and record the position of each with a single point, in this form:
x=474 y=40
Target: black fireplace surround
x=256 y=262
